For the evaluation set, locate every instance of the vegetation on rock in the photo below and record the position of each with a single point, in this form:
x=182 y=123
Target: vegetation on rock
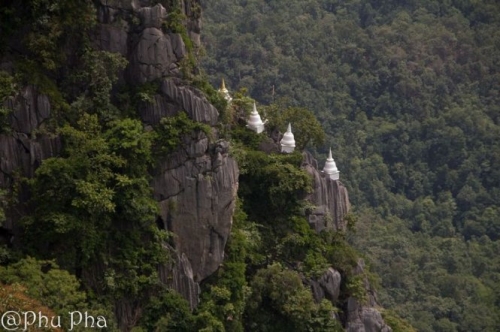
x=407 y=93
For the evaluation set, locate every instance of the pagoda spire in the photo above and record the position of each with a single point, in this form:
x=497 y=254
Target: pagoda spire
x=254 y=122
x=330 y=168
x=288 y=140
x=225 y=92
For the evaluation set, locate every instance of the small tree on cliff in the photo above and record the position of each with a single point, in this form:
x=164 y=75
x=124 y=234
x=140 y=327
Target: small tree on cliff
x=306 y=127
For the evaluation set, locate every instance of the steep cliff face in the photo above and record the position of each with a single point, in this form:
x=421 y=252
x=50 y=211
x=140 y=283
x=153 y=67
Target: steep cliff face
x=195 y=186
x=329 y=198
x=22 y=150
x=331 y=204
x=365 y=317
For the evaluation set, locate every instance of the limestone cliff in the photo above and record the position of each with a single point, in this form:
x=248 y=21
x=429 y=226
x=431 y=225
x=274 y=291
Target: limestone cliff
x=365 y=317
x=331 y=204
x=195 y=186
x=22 y=150
x=329 y=198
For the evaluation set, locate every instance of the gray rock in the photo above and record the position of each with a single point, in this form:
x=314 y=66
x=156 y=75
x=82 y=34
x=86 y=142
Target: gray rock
x=29 y=110
x=178 y=275
x=364 y=317
x=152 y=17
x=151 y=56
x=191 y=100
x=329 y=197
x=20 y=152
x=113 y=38
x=327 y=286
x=197 y=203
x=22 y=155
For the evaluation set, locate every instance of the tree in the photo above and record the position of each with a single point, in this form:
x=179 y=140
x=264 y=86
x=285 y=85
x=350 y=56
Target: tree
x=305 y=127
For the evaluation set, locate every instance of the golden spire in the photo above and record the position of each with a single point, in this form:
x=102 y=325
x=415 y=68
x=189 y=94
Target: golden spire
x=223 y=86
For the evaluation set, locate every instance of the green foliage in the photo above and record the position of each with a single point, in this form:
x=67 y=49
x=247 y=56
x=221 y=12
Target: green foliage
x=7 y=85
x=248 y=138
x=306 y=128
x=55 y=26
x=167 y=311
x=96 y=79
x=273 y=185
x=7 y=89
x=171 y=132
x=447 y=275
x=97 y=185
x=146 y=91
x=355 y=287
x=213 y=96
x=407 y=94
x=396 y=323
x=280 y=302
x=44 y=281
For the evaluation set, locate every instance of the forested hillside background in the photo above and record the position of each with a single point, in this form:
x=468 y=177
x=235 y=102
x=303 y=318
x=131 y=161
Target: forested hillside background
x=408 y=93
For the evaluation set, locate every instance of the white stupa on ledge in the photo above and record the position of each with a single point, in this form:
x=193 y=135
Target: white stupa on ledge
x=330 y=169
x=225 y=92
x=288 y=141
x=255 y=122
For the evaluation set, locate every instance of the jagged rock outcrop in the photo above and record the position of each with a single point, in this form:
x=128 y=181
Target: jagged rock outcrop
x=329 y=198
x=327 y=286
x=181 y=277
x=197 y=192
x=365 y=317
x=175 y=96
x=195 y=186
x=21 y=150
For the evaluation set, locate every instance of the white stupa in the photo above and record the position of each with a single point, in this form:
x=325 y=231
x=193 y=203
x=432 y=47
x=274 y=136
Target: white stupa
x=225 y=92
x=288 y=141
x=255 y=122
x=330 y=169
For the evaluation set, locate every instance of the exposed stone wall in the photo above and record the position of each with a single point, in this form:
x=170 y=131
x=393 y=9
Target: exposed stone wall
x=21 y=150
x=195 y=186
x=365 y=317
x=329 y=198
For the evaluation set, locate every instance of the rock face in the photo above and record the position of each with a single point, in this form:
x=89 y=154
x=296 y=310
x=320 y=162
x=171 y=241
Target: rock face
x=195 y=186
x=197 y=191
x=329 y=197
x=364 y=317
x=327 y=286
x=21 y=151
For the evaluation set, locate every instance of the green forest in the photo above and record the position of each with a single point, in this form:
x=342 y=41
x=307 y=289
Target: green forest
x=408 y=93
x=79 y=227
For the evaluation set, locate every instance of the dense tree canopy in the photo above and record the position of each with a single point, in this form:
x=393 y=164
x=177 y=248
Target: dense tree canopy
x=408 y=94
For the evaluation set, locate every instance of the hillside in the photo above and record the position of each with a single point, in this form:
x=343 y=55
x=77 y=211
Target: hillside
x=133 y=192
x=408 y=94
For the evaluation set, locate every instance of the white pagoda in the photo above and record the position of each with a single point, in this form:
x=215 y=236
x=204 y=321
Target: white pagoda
x=255 y=122
x=330 y=169
x=288 y=141
x=225 y=92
